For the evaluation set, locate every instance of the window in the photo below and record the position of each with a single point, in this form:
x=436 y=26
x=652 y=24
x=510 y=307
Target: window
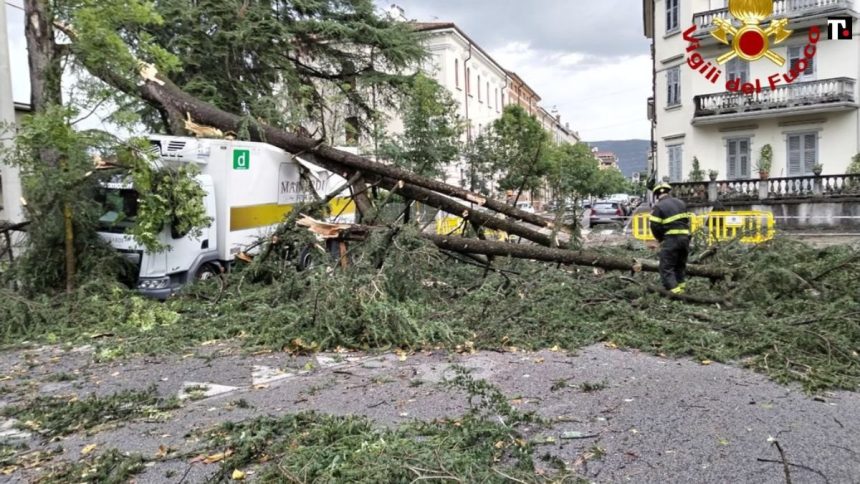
x=676 y=171
x=673 y=86
x=496 y=99
x=352 y=128
x=488 y=94
x=469 y=81
x=738 y=69
x=503 y=100
x=795 y=54
x=802 y=153
x=479 y=89
x=738 y=158
x=119 y=209
x=457 y=73
x=672 y=11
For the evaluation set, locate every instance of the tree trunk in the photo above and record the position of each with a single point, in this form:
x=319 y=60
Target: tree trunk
x=43 y=55
x=69 y=247
x=582 y=258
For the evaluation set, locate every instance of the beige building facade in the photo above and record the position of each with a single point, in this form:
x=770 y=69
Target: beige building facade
x=806 y=112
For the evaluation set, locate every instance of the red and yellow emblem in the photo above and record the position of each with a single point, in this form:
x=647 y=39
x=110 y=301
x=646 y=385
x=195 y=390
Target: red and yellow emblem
x=750 y=42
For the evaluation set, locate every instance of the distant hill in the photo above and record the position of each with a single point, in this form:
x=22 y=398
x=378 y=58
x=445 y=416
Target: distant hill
x=632 y=154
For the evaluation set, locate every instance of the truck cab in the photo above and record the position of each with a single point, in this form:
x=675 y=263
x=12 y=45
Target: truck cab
x=249 y=188
x=184 y=258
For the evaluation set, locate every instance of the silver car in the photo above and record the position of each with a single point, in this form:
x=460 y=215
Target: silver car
x=607 y=212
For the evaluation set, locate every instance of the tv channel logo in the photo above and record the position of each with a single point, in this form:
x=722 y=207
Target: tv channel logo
x=839 y=28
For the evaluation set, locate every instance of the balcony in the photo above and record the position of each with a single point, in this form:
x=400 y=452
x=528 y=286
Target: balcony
x=830 y=188
x=792 y=9
x=826 y=95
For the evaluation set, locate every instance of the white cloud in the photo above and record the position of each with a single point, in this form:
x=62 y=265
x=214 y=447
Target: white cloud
x=602 y=99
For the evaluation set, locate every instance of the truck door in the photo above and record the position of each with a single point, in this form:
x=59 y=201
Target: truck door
x=188 y=253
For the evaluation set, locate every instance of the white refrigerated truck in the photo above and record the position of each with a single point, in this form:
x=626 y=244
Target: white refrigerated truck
x=250 y=188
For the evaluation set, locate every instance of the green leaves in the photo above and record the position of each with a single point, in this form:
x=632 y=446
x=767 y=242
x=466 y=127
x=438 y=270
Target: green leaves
x=432 y=129
x=515 y=149
x=285 y=62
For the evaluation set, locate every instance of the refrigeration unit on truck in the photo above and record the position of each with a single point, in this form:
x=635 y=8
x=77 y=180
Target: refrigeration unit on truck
x=249 y=189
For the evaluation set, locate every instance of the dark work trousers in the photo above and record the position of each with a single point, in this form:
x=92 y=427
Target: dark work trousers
x=673 y=260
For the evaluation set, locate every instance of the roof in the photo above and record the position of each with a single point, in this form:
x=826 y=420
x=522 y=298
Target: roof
x=519 y=79
x=425 y=26
x=434 y=26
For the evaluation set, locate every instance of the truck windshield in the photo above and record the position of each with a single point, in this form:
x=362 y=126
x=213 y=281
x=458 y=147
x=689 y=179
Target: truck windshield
x=118 y=209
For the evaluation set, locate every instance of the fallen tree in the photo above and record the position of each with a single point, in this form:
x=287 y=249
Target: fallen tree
x=546 y=254
x=471 y=246
x=161 y=92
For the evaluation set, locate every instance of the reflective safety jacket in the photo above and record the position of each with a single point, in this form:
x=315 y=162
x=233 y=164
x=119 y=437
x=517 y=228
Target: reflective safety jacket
x=670 y=217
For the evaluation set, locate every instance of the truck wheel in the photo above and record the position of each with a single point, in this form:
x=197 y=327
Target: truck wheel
x=305 y=260
x=207 y=271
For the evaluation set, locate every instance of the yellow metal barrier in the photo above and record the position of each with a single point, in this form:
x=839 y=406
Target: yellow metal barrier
x=447 y=224
x=642 y=226
x=752 y=227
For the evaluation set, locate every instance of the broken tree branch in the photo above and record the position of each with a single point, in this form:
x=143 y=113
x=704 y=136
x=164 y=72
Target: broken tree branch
x=545 y=254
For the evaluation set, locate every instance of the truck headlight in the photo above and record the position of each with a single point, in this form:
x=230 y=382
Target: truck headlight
x=155 y=283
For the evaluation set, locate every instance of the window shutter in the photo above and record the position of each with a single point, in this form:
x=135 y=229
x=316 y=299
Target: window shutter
x=731 y=159
x=744 y=156
x=809 y=152
x=669 y=86
x=794 y=155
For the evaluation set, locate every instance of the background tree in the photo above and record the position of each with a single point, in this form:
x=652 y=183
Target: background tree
x=696 y=173
x=431 y=130
x=516 y=149
x=610 y=181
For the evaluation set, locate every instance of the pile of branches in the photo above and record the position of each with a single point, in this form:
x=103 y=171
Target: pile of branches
x=793 y=315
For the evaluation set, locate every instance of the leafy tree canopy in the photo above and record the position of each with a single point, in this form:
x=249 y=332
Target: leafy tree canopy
x=431 y=129
x=275 y=60
x=516 y=149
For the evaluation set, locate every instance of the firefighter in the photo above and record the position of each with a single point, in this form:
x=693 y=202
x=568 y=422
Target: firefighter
x=670 y=224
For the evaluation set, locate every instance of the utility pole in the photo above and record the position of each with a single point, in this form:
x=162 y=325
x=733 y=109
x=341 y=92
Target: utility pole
x=10 y=178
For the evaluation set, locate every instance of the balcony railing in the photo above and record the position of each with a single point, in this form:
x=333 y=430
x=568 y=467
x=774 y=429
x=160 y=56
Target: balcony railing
x=781 y=8
x=825 y=91
x=825 y=187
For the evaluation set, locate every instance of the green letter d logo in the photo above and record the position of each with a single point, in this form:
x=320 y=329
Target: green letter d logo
x=241 y=159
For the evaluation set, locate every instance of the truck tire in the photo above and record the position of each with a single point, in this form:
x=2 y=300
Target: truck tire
x=305 y=260
x=207 y=271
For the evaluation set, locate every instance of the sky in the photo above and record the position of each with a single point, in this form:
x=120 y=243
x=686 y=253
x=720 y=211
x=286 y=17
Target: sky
x=589 y=58
x=599 y=82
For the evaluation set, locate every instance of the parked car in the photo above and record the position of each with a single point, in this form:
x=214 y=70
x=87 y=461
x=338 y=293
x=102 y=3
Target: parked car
x=526 y=207
x=625 y=200
x=605 y=211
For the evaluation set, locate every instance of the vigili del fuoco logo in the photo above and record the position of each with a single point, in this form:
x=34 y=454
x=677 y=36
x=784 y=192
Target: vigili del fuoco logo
x=750 y=42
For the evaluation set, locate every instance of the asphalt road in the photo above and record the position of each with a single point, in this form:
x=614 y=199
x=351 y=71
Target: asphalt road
x=657 y=420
